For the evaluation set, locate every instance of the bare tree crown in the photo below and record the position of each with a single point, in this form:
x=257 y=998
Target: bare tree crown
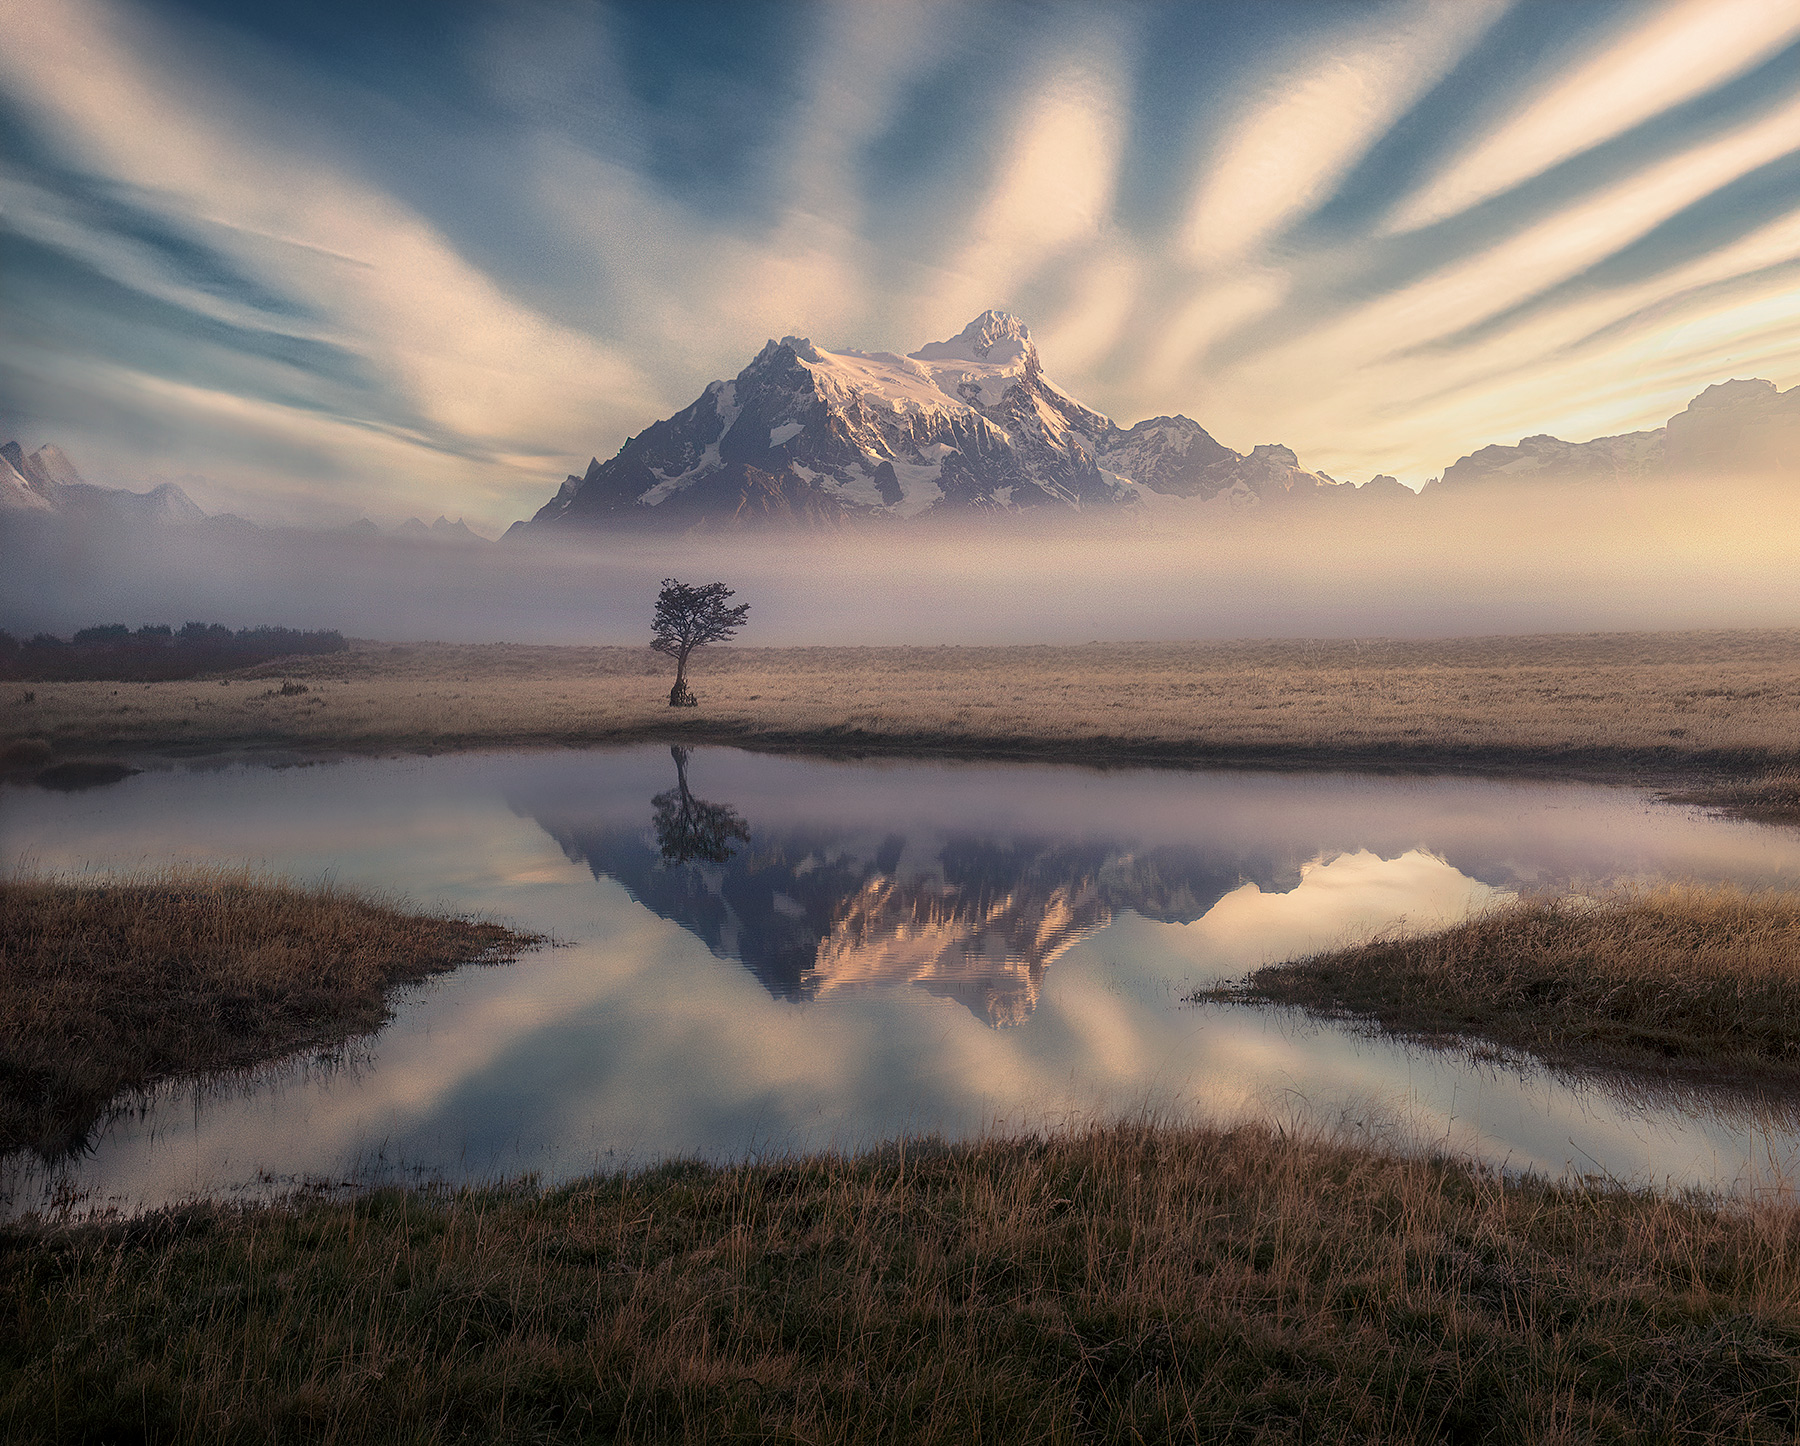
x=689 y=617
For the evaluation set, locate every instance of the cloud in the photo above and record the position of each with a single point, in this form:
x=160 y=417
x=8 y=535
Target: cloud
x=1682 y=50
x=348 y=270
x=1305 y=126
x=466 y=366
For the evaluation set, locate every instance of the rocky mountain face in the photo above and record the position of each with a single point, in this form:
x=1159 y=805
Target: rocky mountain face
x=811 y=438
x=46 y=484
x=1744 y=427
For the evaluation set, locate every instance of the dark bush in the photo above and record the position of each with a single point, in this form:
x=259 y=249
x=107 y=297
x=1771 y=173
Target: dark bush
x=112 y=652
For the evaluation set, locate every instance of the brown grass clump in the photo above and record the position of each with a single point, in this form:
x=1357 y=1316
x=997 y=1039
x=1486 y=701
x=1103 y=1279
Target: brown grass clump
x=1769 y=797
x=1125 y=1285
x=111 y=984
x=1678 y=976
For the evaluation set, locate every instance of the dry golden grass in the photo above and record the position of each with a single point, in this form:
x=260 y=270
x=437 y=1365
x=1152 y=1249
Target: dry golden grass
x=110 y=984
x=1636 y=704
x=1772 y=796
x=1704 y=980
x=1125 y=1285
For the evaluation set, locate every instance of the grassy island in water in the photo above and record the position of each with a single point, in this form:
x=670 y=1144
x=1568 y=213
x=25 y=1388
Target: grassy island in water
x=111 y=984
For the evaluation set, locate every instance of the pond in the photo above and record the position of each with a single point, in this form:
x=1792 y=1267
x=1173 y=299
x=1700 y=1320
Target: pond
x=761 y=954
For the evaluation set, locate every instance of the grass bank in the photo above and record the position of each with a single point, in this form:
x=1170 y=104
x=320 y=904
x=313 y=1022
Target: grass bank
x=1676 y=978
x=112 y=984
x=1124 y=1285
x=1663 y=707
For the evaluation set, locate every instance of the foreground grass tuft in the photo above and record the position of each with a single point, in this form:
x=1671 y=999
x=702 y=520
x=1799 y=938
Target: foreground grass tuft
x=1677 y=977
x=1769 y=797
x=1129 y=1284
x=109 y=984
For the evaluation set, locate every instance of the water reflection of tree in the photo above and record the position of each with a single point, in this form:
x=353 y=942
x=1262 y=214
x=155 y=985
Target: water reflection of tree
x=690 y=829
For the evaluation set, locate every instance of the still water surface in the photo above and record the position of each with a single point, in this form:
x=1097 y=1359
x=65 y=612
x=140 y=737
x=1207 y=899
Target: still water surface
x=768 y=954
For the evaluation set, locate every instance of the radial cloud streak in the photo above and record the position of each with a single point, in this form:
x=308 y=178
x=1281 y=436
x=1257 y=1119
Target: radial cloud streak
x=323 y=261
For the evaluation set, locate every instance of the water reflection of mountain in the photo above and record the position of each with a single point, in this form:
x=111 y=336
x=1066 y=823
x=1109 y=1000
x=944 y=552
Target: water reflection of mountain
x=814 y=909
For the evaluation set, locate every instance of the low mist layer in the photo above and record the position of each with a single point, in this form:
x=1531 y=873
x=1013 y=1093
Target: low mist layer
x=1520 y=558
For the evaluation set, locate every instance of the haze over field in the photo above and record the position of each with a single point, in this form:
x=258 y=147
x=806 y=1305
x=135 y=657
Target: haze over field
x=1506 y=559
x=314 y=262
x=959 y=495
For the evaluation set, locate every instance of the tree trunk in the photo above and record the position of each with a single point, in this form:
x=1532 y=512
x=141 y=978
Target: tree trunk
x=679 y=696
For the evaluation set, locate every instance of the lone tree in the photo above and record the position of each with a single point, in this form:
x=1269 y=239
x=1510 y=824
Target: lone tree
x=688 y=618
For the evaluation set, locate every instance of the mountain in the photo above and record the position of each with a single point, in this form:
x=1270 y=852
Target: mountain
x=46 y=484
x=1745 y=426
x=16 y=493
x=805 y=437
x=443 y=530
x=1739 y=426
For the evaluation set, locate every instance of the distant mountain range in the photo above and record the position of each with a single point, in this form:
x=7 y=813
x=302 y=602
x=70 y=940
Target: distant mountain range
x=809 y=438
x=1735 y=426
x=44 y=486
x=47 y=484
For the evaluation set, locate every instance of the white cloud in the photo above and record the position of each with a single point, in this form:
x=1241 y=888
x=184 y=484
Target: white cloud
x=470 y=359
x=1683 y=49
x=657 y=297
x=1346 y=368
x=1307 y=124
x=1054 y=191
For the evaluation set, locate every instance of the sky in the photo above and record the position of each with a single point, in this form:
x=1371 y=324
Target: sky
x=317 y=261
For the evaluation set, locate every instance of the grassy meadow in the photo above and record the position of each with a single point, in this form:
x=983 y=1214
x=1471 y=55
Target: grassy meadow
x=1662 y=705
x=1138 y=1282
x=1127 y=1284
x=113 y=984
x=1680 y=978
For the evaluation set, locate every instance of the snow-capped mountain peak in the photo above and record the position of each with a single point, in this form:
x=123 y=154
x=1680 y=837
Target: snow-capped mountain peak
x=45 y=484
x=805 y=435
x=996 y=337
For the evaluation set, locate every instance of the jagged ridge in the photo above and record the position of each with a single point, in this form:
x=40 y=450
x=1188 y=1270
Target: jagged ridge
x=808 y=437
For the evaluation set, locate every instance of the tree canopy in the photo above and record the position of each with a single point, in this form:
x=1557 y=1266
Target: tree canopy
x=689 y=616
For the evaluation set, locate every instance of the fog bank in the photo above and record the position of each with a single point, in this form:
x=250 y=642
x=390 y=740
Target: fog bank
x=1530 y=558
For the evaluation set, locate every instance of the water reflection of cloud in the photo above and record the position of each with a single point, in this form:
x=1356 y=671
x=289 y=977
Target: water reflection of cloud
x=1336 y=899
x=638 y=1042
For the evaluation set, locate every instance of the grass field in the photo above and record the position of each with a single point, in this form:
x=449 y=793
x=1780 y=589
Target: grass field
x=111 y=984
x=1668 y=706
x=1152 y=1282
x=1129 y=1284
x=1699 y=981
